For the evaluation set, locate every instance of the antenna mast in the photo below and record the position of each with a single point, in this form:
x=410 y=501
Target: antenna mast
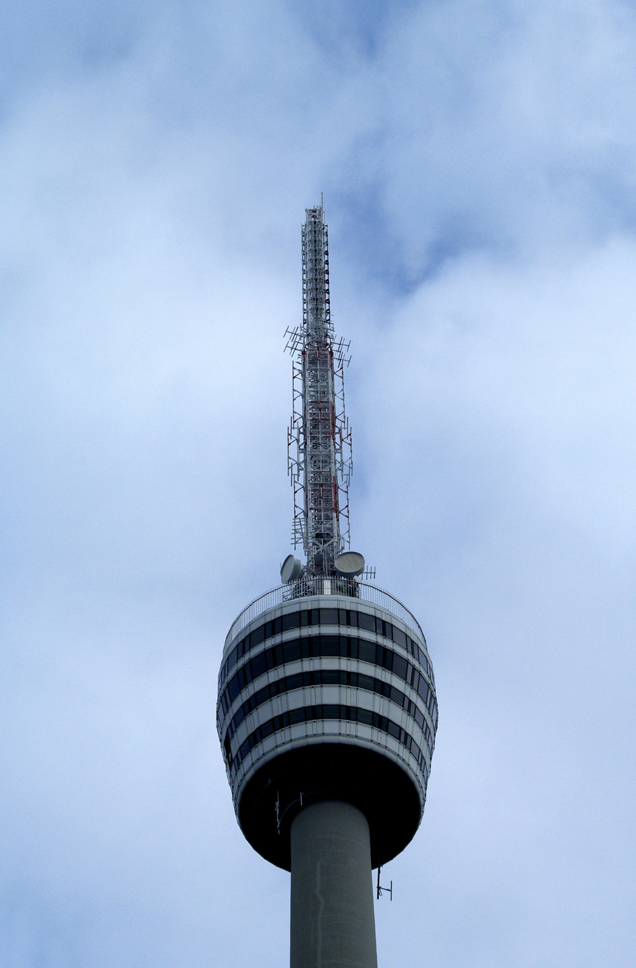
x=319 y=439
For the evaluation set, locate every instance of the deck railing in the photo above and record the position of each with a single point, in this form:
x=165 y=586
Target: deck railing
x=309 y=587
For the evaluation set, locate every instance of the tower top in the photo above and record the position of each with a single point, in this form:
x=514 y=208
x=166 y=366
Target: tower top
x=319 y=439
x=326 y=690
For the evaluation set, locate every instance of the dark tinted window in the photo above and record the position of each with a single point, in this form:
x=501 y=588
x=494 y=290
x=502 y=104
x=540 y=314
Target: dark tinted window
x=291 y=621
x=366 y=651
x=330 y=644
x=399 y=636
x=328 y=616
x=258 y=666
x=233 y=689
x=400 y=666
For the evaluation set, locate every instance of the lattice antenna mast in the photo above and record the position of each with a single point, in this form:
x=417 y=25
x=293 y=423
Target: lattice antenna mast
x=319 y=439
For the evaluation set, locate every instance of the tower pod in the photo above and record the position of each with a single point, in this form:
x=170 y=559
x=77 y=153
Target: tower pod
x=327 y=697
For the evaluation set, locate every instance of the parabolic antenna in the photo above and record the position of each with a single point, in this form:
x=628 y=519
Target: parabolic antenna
x=291 y=569
x=349 y=564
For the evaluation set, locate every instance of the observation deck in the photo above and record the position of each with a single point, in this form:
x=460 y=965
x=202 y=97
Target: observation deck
x=326 y=691
x=351 y=588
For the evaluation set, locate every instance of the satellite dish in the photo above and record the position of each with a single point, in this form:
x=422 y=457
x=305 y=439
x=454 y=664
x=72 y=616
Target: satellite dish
x=349 y=564
x=291 y=569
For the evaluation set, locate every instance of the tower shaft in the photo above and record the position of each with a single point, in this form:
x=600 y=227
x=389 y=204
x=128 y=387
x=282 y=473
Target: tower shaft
x=332 y=920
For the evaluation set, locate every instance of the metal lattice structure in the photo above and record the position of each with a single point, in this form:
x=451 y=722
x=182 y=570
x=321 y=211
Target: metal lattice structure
x=319 y=439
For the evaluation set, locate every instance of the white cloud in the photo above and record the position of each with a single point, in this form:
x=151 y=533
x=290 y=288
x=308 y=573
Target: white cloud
x=478 y=166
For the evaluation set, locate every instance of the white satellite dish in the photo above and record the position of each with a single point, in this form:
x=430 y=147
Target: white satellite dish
x=349 y=564
x=291 y=569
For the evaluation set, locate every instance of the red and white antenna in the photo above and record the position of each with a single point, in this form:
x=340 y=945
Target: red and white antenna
x=319 y=439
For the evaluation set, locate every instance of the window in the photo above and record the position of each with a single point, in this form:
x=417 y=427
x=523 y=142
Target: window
x=328 y=616
x=366 y=621
x=291 y=621
x=399 y=666
x=399 y=636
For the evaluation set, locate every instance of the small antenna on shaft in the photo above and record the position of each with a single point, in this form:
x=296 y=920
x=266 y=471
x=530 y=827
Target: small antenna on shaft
x=381 y=890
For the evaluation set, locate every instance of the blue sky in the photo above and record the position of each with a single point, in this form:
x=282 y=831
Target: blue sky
x=477 y=161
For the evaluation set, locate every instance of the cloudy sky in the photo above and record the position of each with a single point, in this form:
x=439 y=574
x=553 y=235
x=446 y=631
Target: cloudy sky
x=478 y=163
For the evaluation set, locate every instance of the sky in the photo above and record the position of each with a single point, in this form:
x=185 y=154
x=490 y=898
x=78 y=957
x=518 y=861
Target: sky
x=478 y=165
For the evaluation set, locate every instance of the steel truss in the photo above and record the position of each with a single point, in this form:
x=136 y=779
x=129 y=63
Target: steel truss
x=319 y=438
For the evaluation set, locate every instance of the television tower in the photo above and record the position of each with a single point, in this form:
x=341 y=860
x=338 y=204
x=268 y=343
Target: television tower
x=327 y=711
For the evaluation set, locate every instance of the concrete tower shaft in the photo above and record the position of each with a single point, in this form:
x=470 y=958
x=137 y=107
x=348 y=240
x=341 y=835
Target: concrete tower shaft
x=332 y=919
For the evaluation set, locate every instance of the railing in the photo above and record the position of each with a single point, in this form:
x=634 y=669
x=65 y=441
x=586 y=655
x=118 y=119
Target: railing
x=345 y=587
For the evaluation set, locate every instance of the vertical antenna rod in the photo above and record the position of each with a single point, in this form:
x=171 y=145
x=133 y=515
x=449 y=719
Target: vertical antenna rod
x=319 y=440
